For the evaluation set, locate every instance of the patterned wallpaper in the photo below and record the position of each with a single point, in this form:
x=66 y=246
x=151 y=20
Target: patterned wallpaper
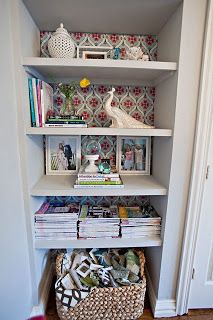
x=108 y=147
x=125 y=201
x=138 y=101
x=89 y=102
x=148 y=43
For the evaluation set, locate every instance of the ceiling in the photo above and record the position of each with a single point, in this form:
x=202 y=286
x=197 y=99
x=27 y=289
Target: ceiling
x=102 y=16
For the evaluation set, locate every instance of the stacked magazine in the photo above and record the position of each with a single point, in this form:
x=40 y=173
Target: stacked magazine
x=98 y=180
x=139 y=222
x=56 y=222
x=99 y=222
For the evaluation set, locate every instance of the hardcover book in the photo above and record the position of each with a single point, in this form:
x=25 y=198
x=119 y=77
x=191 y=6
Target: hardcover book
x=35 y=100
x=46 y=100
x=101 y=186
x=38 y=90
x=61 y=125
x=32 y=109
x=101 y=182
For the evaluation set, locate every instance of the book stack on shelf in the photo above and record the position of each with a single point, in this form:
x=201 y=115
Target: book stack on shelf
x=98 y=180
x=65 y=121
x=41 y=100
x=139 y=222
x=42 y=109
x=98 y=222
x=56 y=221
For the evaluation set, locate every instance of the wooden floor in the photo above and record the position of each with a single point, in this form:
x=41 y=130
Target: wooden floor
x=200 y=314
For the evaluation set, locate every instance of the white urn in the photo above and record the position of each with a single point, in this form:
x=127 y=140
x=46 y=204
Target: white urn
x=60 y=44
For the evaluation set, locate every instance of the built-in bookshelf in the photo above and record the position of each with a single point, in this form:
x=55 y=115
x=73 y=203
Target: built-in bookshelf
x=174 y=75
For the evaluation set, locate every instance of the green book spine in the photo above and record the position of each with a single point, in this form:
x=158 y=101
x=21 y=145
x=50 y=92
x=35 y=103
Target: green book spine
x=32 y=110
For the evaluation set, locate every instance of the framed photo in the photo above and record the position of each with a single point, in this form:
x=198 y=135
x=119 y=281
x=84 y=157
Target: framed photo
x=133 y=155
x=94 y=55
x=62 y=155
x=91 y=49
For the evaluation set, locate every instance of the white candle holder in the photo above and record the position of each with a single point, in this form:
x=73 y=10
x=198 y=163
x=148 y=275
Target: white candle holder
x=91 y=167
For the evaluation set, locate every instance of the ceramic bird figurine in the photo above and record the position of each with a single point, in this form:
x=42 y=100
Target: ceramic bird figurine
x=120 y=119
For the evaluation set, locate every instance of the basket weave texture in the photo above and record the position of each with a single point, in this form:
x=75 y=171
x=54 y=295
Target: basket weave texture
x=122 y=303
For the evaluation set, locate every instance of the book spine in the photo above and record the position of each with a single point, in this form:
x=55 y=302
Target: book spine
x=42 y=106
x=38 y=89
x=35 y=101
x=65 y=125
x=99 y=182
x=98 y=179
x=50 y=230
x=47 y=100
x=118 y=186
x=32 y=110
x=65 y=118
x=65 y=122
x=95 y=176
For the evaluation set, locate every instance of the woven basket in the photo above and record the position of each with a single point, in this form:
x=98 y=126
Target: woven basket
x=126 y=303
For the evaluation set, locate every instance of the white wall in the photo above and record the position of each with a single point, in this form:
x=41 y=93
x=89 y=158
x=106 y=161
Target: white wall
x=15 y=289
x=175 y=107
x=193 y=23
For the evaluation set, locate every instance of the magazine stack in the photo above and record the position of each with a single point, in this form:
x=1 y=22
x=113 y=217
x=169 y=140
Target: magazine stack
x=98 y=180
x=56 y=222
x=99 y=222
x=139 y=222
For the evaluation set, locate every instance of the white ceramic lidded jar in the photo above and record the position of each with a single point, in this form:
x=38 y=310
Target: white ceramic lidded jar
x=61 y=45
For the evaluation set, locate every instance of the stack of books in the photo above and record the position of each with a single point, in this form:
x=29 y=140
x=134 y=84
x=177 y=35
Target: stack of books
x=41 y=100
x=56 y=222
x=98 y=222
x=139 y=222
x=65 y=122
x=98 y=180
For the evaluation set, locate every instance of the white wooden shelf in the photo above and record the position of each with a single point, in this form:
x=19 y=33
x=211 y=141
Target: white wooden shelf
x=113 y=71
x=100 y=131
x=153 y=241
x=54 y=185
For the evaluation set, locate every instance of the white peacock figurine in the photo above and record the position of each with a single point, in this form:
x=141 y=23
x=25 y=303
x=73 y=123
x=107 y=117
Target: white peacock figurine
x=120 y=119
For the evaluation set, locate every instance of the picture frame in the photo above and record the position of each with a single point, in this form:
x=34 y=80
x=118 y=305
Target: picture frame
x=94 y=55
x=133 y=155
x=105 y=49
x=63 y=155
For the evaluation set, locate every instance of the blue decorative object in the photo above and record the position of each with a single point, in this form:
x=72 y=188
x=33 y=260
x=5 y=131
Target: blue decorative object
x=117 y=52
x=104 y=167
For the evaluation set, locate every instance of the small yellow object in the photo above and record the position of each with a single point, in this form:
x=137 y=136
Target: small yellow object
x=84 y=83
x=123 y=213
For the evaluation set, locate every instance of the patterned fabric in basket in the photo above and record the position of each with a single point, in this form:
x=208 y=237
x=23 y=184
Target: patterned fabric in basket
x=111 y=303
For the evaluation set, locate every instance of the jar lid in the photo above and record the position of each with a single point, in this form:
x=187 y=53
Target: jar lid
x=62 y=31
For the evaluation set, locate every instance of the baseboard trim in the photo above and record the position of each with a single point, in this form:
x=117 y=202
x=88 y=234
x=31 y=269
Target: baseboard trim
x=160 y=307
x=44 y=289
